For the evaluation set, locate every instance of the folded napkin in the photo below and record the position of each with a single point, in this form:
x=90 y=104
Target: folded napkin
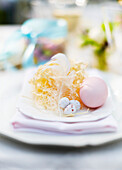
x=21 y=122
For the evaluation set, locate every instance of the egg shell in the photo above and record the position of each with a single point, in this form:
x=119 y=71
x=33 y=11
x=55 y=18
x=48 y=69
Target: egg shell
x=93 y=92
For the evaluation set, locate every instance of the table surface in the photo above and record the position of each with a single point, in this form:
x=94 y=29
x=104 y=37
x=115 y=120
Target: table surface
x=16 y=155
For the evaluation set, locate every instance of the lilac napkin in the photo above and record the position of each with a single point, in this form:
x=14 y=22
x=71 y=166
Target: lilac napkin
x=20 y=122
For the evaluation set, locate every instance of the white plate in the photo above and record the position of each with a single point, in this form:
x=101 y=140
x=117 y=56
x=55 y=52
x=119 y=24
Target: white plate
x=10 y=87
x=26 y=106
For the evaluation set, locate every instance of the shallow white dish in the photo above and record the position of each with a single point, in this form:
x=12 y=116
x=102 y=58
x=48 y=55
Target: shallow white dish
x=27 y=106
x=11 y=84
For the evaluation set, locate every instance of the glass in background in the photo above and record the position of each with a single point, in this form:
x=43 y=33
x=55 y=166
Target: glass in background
x=113 y=14
x=70 y=10
x=40 y=9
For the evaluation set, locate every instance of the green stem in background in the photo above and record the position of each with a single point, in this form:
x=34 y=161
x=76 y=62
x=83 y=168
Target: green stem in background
x=102 y=62
x=101 y=56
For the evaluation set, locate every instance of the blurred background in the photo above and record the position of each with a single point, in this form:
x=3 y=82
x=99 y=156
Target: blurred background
x=32 y=31
x=17 y=11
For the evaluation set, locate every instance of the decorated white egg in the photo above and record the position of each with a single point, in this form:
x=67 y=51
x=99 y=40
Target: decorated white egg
x=76 y=103
x=63 y=102
x=70 y=109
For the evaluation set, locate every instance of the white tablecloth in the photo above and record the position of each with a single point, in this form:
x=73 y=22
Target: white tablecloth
x=18 y=156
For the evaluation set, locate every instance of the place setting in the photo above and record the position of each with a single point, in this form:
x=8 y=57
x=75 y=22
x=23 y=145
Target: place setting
x=85 y=114
x=60 y=79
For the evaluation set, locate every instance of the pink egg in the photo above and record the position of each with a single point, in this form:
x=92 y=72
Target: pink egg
x=93 y=92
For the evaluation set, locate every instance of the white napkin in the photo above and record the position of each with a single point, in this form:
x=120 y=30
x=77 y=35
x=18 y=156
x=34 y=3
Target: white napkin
x=20 y=122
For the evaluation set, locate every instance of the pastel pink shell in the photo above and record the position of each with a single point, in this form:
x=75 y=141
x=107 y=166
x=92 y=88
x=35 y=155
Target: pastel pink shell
x=93 y=92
